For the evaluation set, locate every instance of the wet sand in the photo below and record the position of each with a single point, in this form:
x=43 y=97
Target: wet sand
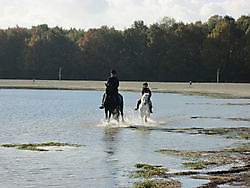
x=220 y=90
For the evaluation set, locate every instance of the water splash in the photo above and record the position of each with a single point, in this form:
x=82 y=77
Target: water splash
x=131 y=119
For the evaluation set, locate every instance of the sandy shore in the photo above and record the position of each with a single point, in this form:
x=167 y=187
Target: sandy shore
x=222 y=90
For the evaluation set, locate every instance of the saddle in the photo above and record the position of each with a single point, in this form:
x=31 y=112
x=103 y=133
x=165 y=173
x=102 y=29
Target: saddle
x=116 y=99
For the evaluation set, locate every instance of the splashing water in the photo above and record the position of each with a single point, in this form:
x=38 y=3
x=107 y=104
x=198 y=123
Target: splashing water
x=131 y=118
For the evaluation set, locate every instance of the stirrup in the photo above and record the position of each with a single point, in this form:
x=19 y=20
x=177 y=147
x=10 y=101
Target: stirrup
x=101 y=107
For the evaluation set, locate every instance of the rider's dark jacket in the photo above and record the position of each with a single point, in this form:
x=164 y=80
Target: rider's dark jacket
x=112 y=86
x=146 y=90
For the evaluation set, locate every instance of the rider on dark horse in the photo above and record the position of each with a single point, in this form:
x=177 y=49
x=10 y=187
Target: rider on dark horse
x=145 y=89
x=111 y=88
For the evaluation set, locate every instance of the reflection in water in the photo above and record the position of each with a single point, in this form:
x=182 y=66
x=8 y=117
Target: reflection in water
x=109 y=137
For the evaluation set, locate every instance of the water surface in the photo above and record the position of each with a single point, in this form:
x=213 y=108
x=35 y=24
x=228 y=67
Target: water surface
x=109 y=151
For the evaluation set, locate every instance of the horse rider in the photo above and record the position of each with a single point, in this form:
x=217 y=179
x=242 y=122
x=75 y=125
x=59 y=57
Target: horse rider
x=111 y=88
x=145 y=89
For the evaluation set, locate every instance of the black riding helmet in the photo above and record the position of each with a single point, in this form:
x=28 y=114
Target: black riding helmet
x=145 y=84
x=113 y=71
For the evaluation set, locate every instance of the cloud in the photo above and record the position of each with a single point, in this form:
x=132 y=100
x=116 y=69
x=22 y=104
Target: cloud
x=118 y=13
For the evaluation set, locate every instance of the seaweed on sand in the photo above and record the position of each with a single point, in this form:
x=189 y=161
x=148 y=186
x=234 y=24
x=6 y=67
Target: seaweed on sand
x=158 y=184
x=233 y=176
x=208 y=159
x=215 y=117
x=148 y=171
x=199 y=164
x=240 y=133
x=149 y=174
x=238 y=104
x=36 y=147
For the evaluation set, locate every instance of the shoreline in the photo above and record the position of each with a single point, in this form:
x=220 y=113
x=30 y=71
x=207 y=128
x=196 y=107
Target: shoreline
x=218 y=90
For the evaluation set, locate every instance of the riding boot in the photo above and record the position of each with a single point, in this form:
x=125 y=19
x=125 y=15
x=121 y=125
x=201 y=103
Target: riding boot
x=138 y=104
x=103 y=100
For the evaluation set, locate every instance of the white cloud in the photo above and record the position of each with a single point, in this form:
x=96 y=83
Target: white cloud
x=118 y=13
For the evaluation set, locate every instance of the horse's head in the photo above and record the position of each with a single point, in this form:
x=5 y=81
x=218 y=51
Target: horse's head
x=145 y=98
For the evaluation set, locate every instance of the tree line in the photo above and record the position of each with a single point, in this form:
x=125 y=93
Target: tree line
x=163 y=51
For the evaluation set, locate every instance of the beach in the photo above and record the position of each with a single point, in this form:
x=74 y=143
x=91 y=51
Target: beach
x=220 y=90
x=55 y=129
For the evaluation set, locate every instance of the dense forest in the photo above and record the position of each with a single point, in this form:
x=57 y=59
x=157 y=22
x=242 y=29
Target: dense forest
x=164 y=51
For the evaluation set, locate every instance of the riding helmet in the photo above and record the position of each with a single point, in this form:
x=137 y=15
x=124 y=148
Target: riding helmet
x=113 y=71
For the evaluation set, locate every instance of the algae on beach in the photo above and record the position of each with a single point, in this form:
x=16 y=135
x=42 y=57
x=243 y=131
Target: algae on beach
x=209 y=159
x=215 y=117
x=239 y=133
x=36 y=147
x=158 y=184
x=148 y=171
x=149 y=174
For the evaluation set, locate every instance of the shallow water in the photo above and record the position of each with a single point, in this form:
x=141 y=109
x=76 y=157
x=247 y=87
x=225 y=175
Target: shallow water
x=109 y=151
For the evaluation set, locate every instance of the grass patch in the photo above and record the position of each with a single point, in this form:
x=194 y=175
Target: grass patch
x=227 y=104
x=239 y=119
x=239 y=136
x=158 y=184
x=237 y=104
x=141 y=129
x=241 y=133
x=149 y=174
x=207 y=117
x=199 y=164
x=148 y=171
x=204 y=117
x=169 y=151
x=35 y=147
x=208 y=159
x=241 y=148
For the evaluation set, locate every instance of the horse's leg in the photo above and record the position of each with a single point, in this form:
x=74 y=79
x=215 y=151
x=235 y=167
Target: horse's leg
x=106 y=114
x=141 y=112
x=148 y=112
x=121 y=109
x=118 y=115
x=109 y=115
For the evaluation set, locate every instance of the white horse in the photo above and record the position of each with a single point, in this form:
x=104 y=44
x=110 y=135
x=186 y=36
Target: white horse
x=144 y=107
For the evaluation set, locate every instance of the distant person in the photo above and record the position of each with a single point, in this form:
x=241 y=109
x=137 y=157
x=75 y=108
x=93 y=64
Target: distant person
x=190 y=83
x=145 y=89
x=111 y=88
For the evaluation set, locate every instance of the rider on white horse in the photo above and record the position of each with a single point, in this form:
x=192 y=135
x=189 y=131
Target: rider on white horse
x=145 y=89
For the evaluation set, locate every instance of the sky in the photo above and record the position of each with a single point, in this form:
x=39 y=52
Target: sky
x=120 y=14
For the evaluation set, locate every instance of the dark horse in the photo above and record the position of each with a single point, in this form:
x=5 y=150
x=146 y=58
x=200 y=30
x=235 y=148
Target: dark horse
x=113 y=107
